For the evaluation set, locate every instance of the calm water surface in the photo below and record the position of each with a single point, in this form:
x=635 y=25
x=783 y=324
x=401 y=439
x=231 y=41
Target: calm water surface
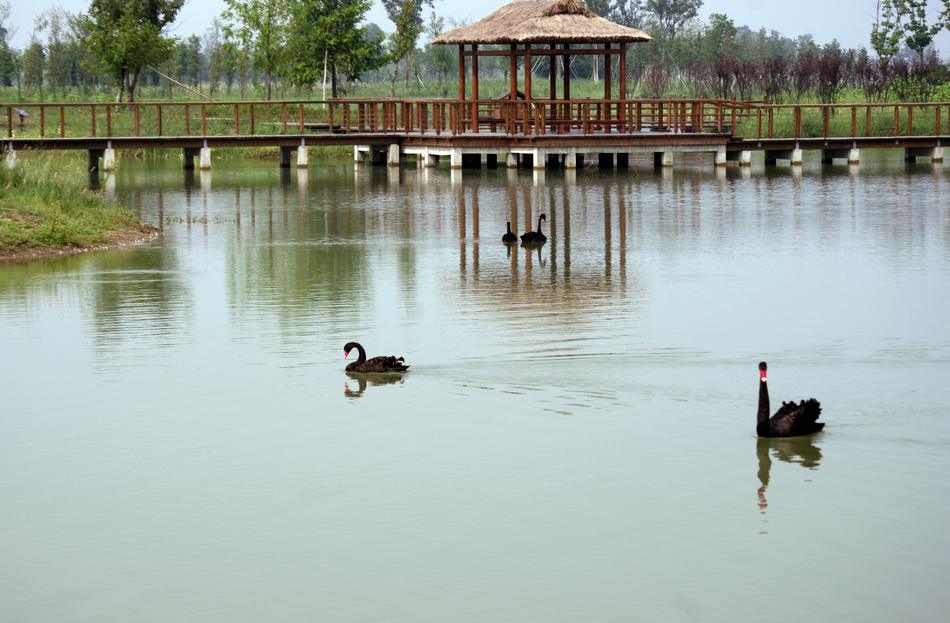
x=178 y=441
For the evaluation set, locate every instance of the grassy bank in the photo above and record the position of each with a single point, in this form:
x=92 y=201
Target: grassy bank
x=44 y=210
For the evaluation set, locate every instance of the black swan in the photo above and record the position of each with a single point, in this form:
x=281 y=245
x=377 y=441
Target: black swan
x=535 y=237
x=510 y=237
x=792 y=420
x=376 y=365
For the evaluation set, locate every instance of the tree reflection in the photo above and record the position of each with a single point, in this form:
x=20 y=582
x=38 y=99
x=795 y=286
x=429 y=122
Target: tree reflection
x=798 y=450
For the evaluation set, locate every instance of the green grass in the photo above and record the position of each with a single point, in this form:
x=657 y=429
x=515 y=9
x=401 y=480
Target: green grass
x=44 y=207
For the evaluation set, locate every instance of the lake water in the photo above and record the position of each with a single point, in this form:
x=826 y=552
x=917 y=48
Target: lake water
x=575 y=442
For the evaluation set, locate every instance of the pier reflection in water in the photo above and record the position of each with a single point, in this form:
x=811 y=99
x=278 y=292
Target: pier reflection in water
x=573 y=438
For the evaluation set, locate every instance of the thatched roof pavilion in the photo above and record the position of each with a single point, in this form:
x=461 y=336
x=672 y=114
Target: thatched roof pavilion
x=543 y=28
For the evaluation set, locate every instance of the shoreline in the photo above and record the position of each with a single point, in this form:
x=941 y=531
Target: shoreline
x=122 y=241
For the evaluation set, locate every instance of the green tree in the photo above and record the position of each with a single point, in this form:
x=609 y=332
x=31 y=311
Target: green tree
x=214 y=50
x=34 y=66
x=8 y=57
x=912 y=16
x=402 y=42
x=128 y=37
x=261 y=27
x=329 y=36
x=439 y=58
x=672 y=15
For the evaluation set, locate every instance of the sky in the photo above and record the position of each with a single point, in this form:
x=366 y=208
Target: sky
x=849 y=21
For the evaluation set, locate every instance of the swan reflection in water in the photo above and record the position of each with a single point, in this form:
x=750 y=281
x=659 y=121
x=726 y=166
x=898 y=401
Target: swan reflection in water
x=799 y=450
x=372 y=380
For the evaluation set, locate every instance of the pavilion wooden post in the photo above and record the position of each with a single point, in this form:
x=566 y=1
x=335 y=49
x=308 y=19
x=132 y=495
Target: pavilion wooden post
x=475 y=87
x=552 y=71
x=528 y=116
x=567 y=72
x=513 y=72
x=623 y=87
x=608 y=70
x=462 y=72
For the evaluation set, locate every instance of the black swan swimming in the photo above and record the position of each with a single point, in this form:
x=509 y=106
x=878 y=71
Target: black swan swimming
x=792 y=420
x=535 y=237
x=376 y=365
x=510 y=237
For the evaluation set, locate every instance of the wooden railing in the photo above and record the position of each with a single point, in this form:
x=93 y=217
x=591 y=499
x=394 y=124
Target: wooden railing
x=453 y=117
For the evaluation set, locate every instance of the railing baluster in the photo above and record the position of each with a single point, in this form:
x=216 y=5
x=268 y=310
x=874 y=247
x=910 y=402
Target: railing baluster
x=204 y=120
x=910 y=120
x=187 y=120
x=237 y=119
x=109 y=120
x=93 y=125
x=869 y=122
x=158 y=118
x=825 y=120
x=42 y=121
x=137 y=113
x=62 y=122
x=302 y=120
x=251 y=119
x=897 y=120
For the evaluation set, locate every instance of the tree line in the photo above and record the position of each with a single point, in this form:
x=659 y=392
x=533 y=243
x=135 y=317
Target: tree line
x=262 y=47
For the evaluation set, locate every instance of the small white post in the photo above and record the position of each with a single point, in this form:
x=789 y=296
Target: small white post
x=303 y=158
x=570 y=161
x=108 y=160
x=854 y=156
x=938 y=154
x=204 y=159
x=392 y=156
x=540 y=159
x=511 y=161
x=745 y=159
x=797 y=157
x=456 y=158
x=357 y=155
x=721 y=157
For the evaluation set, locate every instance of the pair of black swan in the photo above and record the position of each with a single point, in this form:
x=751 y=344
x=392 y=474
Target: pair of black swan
x=529 y=237
x=791 y=420
x=377 y=365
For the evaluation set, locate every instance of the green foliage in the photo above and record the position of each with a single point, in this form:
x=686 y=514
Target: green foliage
x=328 y=35
x=127 y=36
x=261 y=26
x=42 y=205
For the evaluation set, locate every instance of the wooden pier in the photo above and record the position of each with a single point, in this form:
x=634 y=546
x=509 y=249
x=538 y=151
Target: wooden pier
x=541 y=132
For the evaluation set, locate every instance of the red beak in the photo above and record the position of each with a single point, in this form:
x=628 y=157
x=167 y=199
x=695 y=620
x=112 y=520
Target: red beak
x=764 y=375
x=346 y=354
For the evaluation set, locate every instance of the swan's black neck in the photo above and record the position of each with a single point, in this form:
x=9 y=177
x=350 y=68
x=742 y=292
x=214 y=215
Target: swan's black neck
x=359 y=349
x=539 y=224
x=509 y=227
x=763 y=418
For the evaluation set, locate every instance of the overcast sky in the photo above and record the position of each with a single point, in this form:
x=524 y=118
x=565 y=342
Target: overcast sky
x=849 y=21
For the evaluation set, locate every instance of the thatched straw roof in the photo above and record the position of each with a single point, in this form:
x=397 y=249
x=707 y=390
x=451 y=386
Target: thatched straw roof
x=543 y=21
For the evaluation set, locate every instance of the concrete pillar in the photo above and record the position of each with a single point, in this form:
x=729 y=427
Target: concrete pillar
x=938 y=154
x=570 y=161
x=539 y=159
x=745 y=158
x=357 y=155
x=431 y=161
x=456 y=159
x=204 y=159
x=721 y=157
x=9 y=158
x=303 y=157
x=798 y=156
x=511 y=161
x=854 y=156
x=108 y=159
x=663 y=159
x=392 y=157
x=94 y=156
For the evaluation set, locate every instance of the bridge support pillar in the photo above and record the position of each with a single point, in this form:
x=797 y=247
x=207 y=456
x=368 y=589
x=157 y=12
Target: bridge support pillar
x=798 y=156
x=570 y=161
x=303 y=157
x=108 y=159
x=357 y=155
x=188 y=158
x=794 y=156
x=431 y=161
x=511 y=161
x=9 y=158
x=455 y=159
x=285 y=157
x=204 y=159
x=392 y=156
x=912 y=154
x=663 y=159
x=854 y=156
x=539 y=159
x=743 y=158
x=94 y=155
x=722 y=158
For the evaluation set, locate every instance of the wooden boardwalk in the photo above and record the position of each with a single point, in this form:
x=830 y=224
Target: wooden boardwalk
x=385 y=131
